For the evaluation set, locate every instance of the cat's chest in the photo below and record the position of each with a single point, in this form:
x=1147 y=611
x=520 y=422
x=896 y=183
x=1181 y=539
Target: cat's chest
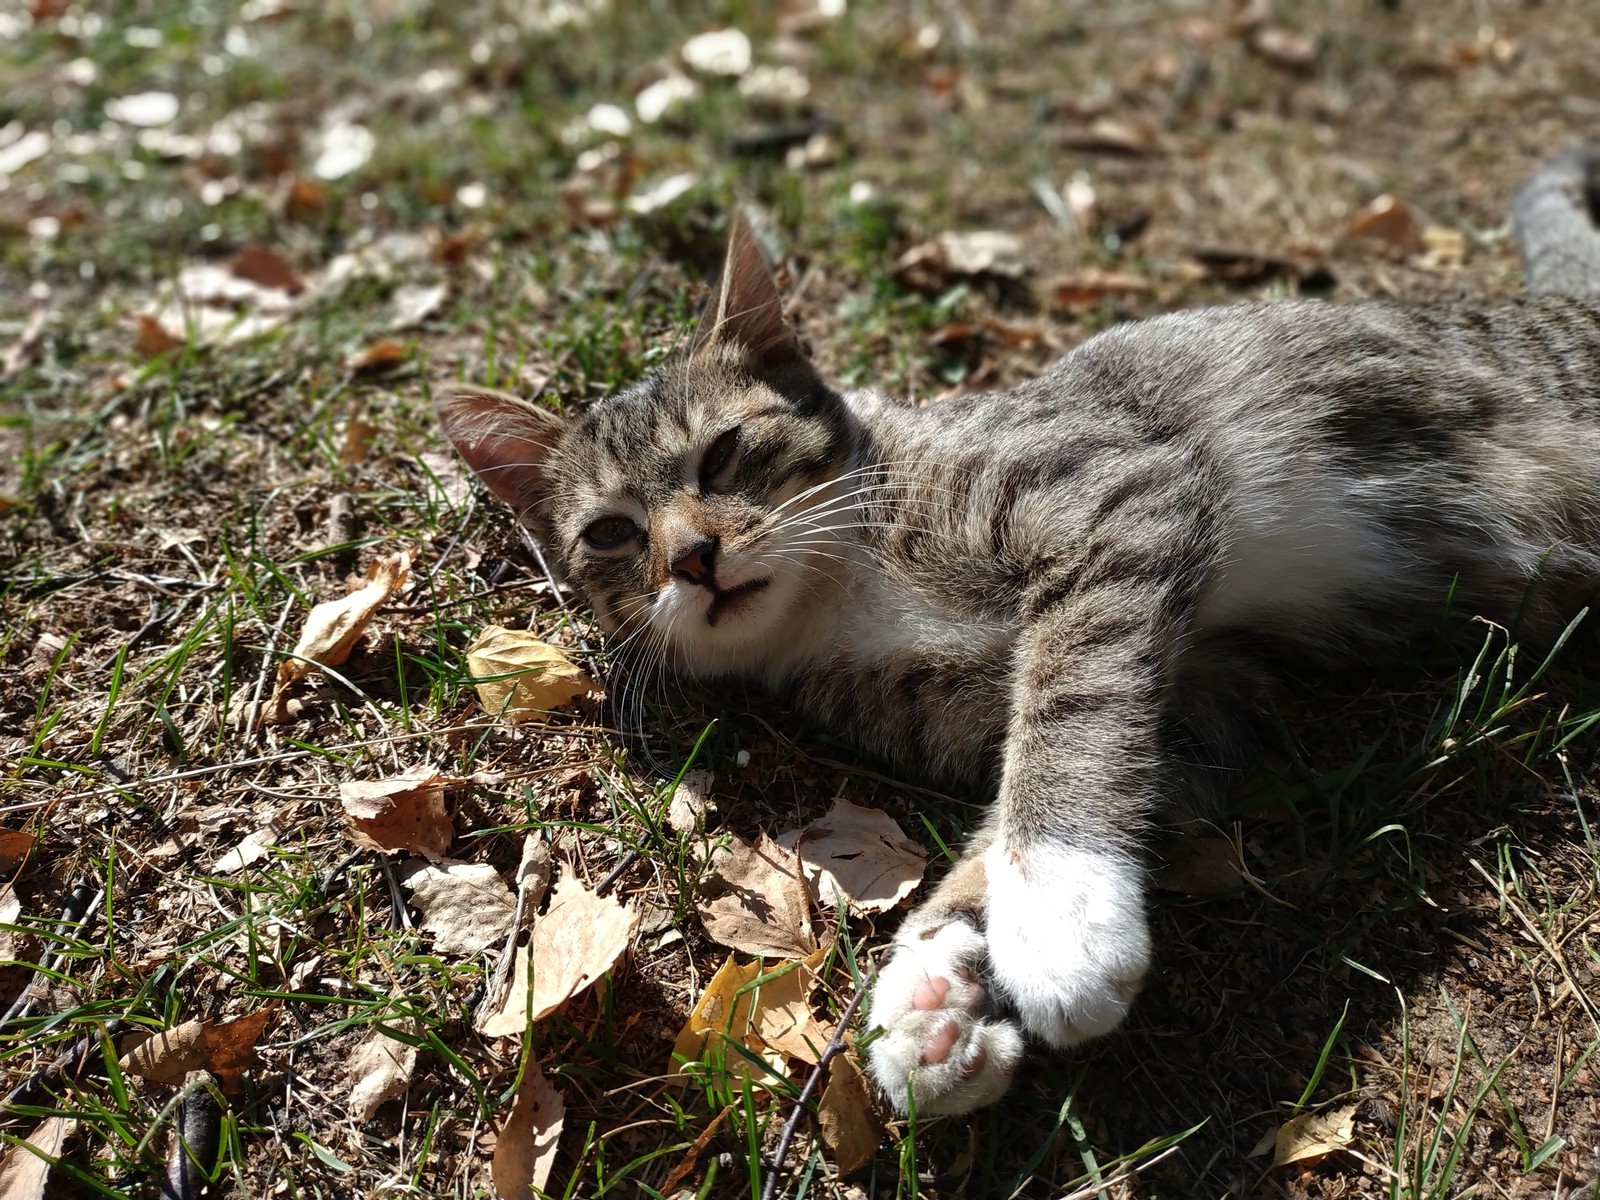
x=891 y=622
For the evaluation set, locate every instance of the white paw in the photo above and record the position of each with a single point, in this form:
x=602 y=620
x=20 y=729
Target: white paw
x=936 y=1048
x=1068 y=942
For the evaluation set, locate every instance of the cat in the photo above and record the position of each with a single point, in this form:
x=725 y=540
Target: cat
x=1071 y=592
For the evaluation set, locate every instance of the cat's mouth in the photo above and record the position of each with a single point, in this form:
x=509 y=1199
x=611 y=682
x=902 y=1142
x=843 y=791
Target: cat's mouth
x=728 y=601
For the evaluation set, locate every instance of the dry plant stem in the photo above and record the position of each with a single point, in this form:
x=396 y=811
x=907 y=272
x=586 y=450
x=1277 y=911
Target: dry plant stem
x=1578 y=993
x=769 y=1189
x=68 y=1064
x=77 y=916
x=266 y=669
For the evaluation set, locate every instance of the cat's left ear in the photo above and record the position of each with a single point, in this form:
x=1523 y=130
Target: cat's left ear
x=507 y=441
x=747 y=310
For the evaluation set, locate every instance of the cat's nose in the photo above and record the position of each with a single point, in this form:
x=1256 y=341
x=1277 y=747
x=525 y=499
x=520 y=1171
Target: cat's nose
x=697 y=564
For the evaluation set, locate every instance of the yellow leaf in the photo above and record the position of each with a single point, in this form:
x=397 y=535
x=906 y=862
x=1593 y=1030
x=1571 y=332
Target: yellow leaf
x=333 y=627
x=520 y=677
x=1314 y=1135
x=773 y=1020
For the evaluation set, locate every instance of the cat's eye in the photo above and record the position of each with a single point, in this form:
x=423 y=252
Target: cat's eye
x=717 y=458
x=609 y=532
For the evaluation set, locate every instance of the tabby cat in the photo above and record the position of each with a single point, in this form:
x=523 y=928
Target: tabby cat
x=1068 y=592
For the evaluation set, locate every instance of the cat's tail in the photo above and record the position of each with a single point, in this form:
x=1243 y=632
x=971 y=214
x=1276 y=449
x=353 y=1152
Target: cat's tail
x=1556 y=217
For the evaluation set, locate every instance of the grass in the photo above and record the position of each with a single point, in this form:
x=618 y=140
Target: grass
x=1419 y=937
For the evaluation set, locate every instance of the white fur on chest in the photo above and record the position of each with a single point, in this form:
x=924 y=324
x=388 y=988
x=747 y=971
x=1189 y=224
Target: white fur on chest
x=888 y=621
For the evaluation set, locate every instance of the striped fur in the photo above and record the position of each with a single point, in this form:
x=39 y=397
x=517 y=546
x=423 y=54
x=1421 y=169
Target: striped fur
x=1068 y=592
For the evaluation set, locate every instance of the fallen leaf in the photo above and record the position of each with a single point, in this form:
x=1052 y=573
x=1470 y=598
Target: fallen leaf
x=525 y=1150
x=782 y=1016
x=382 y=356
x=405 y=812
x=1389 y=224
x=577 y=941
x=1284 y=48
x=663 y=193
x=1314 y=1135
x=304 y=199
x=358 y=439
x=252 y=849
x=520 y=677
x=151 y=338
x=850 y=1131
x=686 y=813
x=755 y=900
x=930 y=266
x=415 y=303
x=10 y=914
x=25 y=1167
x=1444 y=247
x=772 y=1020
x=466 y=906
x=1200 y=866
x=227 y=1049
x=333 y=627
x=265 y=268
x=380 y=1069
x=1111 y=135
x=26 y=348
x=721 y=52
x=858 y=854
x=345 y=148
x=145 y=110
x=15 y=845
x=30 y=147
x=1092 y=285
x=723 y=1015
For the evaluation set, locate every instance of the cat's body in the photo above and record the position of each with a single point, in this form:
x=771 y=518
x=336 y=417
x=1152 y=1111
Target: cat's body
x=1069 y=591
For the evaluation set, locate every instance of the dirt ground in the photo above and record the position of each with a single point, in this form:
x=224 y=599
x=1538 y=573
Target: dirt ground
x=1382 y=965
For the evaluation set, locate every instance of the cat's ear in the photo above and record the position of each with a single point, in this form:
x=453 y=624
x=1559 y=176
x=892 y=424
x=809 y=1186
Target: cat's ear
x=747 y=309
x=506 y=440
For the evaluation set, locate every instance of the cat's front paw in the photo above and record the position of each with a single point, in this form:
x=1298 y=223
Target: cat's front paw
x=938 y=1047
x=1069 y=945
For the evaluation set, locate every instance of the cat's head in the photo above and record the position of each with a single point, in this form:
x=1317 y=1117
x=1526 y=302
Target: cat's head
x=698 y=508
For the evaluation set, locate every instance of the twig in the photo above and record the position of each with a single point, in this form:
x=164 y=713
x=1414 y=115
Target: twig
x=769 y=1189
x=266 y=667
x=1578 y=993
x=68 y=1064
x=76 y=917
x=623 y=863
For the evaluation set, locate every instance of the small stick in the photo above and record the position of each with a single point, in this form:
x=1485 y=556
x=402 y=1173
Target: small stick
x=836 y=1043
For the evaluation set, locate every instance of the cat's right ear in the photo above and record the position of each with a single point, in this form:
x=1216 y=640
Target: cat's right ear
x=507 y=441
x=747 y=309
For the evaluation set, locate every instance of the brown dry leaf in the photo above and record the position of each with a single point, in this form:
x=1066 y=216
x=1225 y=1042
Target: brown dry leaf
x=383 y=356
x=15 y=845
x=358 y=438
x=859 y=854
x=1093 y=285
x=226 y=1049
x=849 y=1129
x=782 y=1016
x=333 y=627
x=305 y=199
x=579 y=938
x=151 y=338
x=1314 y=1135
x=520 y=677
x=1389 y=224
x=466 y=906
x=23 y=1173
x=380 y=1069
x=265 y=268
x=525 y=1151
x=26 y=348
x=1200 y=866
x=403 y=813
x=755 y=900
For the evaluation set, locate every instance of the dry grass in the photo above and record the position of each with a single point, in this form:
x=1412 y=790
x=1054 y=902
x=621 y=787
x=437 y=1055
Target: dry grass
x=1418 y=936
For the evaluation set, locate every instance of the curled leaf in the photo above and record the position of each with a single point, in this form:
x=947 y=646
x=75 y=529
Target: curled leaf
x=333 y=627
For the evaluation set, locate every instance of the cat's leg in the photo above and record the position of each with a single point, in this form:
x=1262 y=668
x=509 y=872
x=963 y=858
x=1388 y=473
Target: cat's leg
x=942 y=1046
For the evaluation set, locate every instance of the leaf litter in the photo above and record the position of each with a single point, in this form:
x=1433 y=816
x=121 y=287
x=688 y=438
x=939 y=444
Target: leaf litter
x=521 y=677
x=405 y=812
